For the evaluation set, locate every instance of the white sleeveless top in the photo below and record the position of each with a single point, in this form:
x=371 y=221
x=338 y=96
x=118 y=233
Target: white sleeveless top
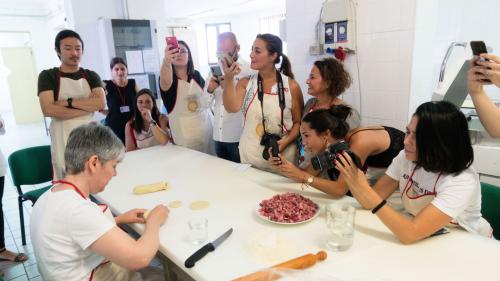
x=144 y=139
x=250 y=148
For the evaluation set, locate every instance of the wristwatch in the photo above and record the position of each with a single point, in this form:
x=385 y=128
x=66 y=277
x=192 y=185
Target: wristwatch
x=70 y=102
x=310 y=180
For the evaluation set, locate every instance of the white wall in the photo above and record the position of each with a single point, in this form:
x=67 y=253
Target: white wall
x=385 y=44
x=438 y=23
x=41 y=35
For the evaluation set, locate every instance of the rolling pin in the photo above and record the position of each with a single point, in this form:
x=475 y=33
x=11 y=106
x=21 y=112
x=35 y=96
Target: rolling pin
x=302 y=262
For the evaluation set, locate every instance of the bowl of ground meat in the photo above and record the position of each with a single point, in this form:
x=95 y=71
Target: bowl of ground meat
x=288 y=208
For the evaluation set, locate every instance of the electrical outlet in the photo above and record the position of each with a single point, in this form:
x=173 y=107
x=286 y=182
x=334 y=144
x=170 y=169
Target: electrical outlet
x=316 y=49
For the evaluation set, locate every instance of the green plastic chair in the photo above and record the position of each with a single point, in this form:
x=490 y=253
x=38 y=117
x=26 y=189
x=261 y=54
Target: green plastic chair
x=490 y=206
x=30 y=166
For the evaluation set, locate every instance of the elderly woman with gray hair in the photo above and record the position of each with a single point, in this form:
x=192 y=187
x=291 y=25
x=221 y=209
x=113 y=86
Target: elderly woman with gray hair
x=76 y=239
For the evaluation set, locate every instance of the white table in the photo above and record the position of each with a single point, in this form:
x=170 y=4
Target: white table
x=234 y=196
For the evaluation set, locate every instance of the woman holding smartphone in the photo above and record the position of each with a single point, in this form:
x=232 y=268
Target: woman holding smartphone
x=120 y=97
x=438 y=185
x=485 y=70
x=181 y=88
x=270 y=100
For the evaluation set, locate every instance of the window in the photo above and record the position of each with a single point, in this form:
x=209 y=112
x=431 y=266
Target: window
x=274 y=24
x=212 y=32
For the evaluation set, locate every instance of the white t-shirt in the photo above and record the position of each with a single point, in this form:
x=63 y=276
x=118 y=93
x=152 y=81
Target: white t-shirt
x=63 y=226
x=457 y=196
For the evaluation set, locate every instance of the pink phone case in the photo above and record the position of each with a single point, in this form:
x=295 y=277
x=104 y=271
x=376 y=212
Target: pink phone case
x=172 y=41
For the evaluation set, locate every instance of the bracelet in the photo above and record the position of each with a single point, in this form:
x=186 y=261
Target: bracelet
x=379 y=206
x=153 y=122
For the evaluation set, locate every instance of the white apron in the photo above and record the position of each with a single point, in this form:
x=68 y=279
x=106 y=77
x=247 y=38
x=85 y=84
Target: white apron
x=61 y=128
x=414 y=203
x=191 y=120
x=250 y=148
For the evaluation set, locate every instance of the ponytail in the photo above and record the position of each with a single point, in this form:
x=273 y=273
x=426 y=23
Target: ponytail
x=286 y=66
x=274 y=45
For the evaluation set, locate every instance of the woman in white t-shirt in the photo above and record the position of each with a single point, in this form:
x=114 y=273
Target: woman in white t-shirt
x=75 y=239
x=433 y=173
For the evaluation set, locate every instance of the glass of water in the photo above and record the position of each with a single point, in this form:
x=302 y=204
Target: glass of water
x=340 y=226
x=198 y=230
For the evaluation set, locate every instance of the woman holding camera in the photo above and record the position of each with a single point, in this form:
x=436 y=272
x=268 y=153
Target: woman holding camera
x=181 y=87
x=270 y=100
x=149 y=127
x=324 y=129
x=120 y=97
x=434 y=174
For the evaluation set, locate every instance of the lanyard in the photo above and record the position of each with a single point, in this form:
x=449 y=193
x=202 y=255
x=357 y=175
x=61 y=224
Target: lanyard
x=72 y=185
x=410 y=182
x=281 y=95
x=120 y=94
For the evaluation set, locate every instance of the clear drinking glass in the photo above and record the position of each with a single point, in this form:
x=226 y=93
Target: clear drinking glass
x=198 y=230
x=340 y=226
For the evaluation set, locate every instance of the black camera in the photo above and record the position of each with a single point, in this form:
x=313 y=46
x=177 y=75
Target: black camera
x=270 y=141
x=324 y=160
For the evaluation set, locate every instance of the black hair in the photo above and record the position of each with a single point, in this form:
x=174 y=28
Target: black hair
x=332 y=119
x=190 y=65
x=334 y=74
x=274 y=45
x=138 y=122
x=63 y=34
x=442 y=138
x=116 y=60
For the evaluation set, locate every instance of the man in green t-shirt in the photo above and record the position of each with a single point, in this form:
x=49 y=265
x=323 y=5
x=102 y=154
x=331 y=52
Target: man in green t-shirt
x=68 y=94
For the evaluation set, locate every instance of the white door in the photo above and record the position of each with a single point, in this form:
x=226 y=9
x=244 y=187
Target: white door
x=22 y=80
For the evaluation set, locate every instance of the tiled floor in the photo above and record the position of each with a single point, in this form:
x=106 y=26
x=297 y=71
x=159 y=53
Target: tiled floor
x=17 y=137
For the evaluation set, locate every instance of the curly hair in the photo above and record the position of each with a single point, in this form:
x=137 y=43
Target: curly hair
x=333 y=73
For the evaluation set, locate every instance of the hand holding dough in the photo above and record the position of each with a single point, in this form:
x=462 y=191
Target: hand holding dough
x=148 y=188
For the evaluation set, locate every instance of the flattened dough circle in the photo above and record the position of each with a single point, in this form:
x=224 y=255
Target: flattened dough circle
x=175 y=204
x=199 y=205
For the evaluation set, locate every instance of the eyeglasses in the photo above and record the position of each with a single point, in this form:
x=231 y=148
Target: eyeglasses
x=183 y=51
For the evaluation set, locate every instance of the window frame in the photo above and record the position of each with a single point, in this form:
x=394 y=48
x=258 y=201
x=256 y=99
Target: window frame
x=218 y=32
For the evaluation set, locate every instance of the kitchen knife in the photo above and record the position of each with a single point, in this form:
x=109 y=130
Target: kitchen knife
x=209 y=247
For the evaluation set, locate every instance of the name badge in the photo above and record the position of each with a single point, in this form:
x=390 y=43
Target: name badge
x=124 y=109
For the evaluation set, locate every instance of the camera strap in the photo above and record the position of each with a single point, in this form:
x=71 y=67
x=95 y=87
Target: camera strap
x=281 y=96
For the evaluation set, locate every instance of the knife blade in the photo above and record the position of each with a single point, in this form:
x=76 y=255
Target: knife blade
x=209 y=247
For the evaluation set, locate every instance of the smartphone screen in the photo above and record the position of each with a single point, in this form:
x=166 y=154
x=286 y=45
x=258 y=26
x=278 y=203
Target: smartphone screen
x=172 y=42
x=478 y=47
x=226 y=57
x=216 y=70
